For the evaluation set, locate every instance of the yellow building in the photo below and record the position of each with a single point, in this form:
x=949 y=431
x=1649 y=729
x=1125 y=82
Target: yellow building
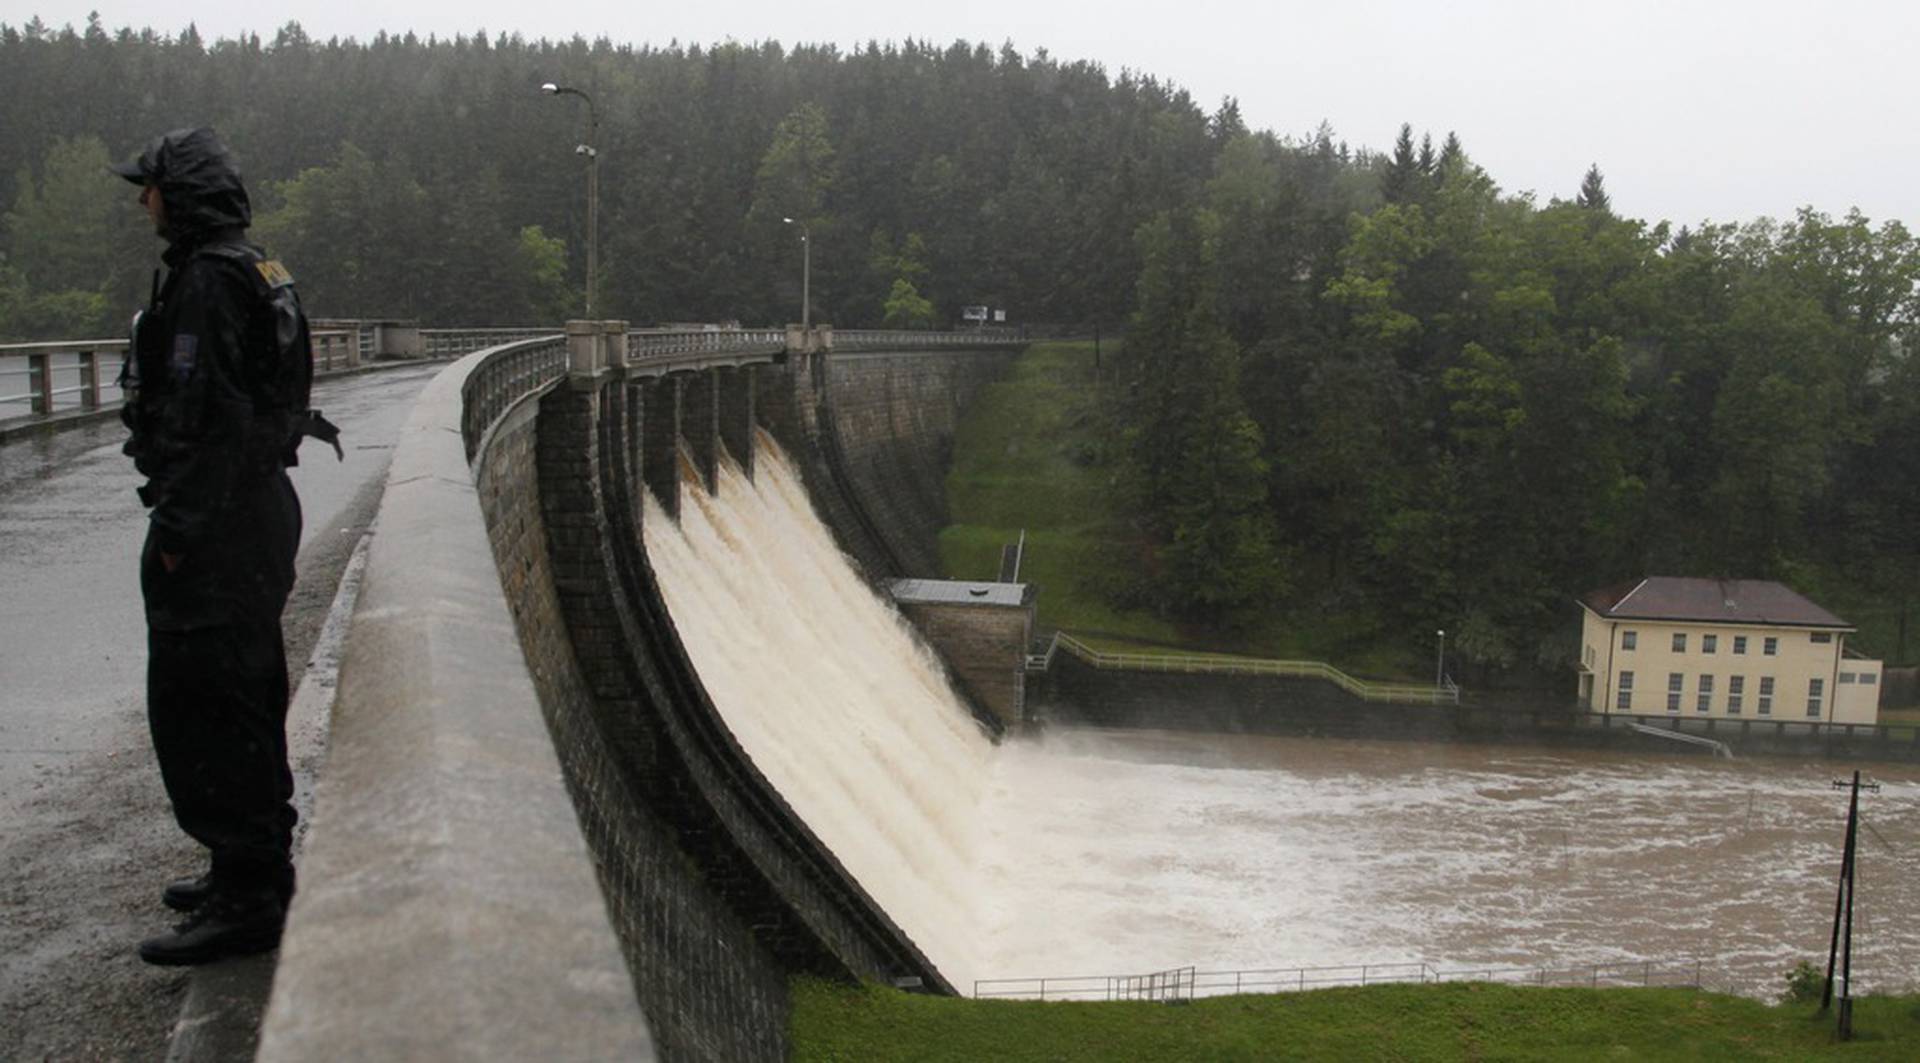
x=1739 y=649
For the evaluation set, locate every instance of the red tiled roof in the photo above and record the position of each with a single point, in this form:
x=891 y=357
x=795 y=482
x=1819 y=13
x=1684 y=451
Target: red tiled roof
x=1716 y=601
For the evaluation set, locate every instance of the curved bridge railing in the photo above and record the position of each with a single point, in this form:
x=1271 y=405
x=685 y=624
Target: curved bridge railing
x=643 y=344
x=510 y=373
x=909 y=339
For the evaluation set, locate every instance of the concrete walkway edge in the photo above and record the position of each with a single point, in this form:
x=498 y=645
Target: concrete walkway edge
x=448 y=906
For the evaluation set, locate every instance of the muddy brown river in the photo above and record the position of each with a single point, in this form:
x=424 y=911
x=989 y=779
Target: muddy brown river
x=1115 y=852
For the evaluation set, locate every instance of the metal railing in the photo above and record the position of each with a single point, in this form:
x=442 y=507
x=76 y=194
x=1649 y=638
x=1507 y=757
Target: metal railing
x=335 y=349
x=1185 y=983
x=512 y=372
x=449 y=342
x=1200 y=664
x=909 y=339
x=43 y=378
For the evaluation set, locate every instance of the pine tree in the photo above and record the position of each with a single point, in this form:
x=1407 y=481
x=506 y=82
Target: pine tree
x=1194 y=451
x=1593 y=193
x=1401 y=180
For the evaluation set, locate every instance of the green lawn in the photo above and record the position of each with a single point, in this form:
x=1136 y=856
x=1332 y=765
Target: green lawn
x=1031 y=454
x=1433 y=1022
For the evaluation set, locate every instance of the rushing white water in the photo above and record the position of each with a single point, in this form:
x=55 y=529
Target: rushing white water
x=1091 y=853
x=827 y=689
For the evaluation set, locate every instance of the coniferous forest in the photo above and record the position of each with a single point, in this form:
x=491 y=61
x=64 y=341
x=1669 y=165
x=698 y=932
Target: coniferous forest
x=1353 y=382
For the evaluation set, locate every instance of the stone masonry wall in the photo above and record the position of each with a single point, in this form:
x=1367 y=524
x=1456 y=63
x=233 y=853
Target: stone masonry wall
x=985 y=648
x=709 y=989
x=875 y=440
x=1074 y=692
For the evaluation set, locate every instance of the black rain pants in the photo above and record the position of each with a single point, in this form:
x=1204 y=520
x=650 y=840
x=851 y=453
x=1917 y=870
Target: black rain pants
x=217 y=707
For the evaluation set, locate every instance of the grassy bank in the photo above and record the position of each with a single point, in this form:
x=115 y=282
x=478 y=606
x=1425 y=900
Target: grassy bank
x=1029 y=456
x=1436 y=1022
x=1032 y=454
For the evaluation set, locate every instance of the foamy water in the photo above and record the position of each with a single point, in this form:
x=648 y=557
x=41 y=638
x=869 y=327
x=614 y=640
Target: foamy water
x=826 y=688
x=1089 y=853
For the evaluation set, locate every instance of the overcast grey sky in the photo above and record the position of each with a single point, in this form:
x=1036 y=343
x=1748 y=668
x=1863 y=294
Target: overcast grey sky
x=1693 y=109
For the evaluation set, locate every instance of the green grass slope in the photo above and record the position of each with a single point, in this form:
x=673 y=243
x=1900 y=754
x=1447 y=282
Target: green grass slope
x=1033 y=454
x=1398 y=1022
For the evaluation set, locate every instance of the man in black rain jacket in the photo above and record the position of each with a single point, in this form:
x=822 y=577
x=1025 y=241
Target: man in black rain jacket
x=210 y=432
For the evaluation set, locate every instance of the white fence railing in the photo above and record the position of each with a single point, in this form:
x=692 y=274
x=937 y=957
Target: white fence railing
x=1213 y=664
x=1185 y=983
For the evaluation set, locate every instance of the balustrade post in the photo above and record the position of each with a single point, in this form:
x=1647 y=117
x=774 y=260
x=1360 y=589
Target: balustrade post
x=613 y=338
x=40 y=382
x=90 y=379
x=583 y=348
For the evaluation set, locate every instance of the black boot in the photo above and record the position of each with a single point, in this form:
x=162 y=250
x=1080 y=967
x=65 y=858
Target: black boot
x=187 y=894
x=225 y=925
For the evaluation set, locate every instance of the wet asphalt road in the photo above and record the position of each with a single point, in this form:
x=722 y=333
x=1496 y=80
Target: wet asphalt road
x=85 y=837
x=72 y=637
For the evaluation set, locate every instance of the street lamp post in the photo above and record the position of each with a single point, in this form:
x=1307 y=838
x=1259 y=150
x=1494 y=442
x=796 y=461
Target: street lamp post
x=1440 y=660
x=806 y=272
x=591 y=150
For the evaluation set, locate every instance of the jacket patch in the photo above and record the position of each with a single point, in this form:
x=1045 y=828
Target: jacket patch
x=273 y=273
x=186 y=348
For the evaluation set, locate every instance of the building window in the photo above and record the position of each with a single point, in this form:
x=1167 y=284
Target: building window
x=1868 y=679
x=1736 y=687
x=1770 y=647
x=1821 y=638
x=1629 y=639
x=1740 y=644
x=1816 y=690
x=1847 y=678
x=1676 y=683
x=1765 y=702
x=1705 y=702
x=1679 y=642
x=1624 y=700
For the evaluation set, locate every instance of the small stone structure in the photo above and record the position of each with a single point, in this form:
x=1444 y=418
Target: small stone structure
x=982 y=630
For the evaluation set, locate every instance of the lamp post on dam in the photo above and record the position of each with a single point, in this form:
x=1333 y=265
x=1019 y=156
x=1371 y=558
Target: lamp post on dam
x=806 y=272
x=591 y=150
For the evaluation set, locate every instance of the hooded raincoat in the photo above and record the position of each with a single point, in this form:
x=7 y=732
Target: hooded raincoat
x=221 y=500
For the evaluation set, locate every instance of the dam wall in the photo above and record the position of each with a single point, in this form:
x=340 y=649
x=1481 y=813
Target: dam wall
x=873 y=433
x=535 y=835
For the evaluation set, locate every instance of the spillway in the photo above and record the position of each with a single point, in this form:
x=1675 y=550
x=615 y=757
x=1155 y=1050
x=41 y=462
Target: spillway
x=831 y=695
x=1097 y=853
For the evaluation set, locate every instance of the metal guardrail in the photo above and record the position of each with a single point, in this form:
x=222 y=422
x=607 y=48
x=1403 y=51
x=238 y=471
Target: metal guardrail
x=81 y=374
x=48 y=377
x=510 y=373
x=909 y=339
x=448 y=342
x=1185 y=983
x=1391 y=693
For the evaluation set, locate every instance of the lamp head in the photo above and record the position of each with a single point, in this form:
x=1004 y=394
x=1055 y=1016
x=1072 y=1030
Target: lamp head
x=550 y=89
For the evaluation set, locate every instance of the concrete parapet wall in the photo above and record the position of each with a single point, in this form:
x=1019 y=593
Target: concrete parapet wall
x=448 y=906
